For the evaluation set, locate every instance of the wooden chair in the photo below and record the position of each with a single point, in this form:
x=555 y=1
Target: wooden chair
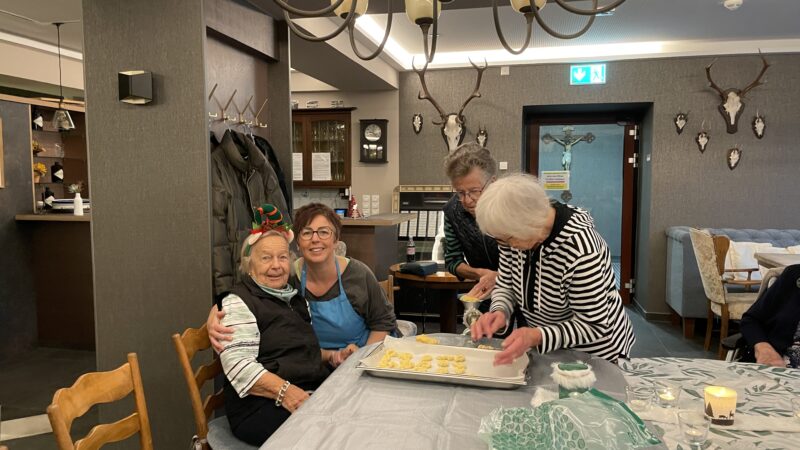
x=101 y=387
x=710 y=251
x=405 y=327
x=214 y=433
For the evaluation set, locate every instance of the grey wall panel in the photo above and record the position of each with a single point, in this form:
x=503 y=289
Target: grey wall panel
x=683 y=186
x=17 y=293
x=149 y=167
x=279 y=116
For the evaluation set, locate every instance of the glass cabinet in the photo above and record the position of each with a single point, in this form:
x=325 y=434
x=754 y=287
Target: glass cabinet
x=321 y=140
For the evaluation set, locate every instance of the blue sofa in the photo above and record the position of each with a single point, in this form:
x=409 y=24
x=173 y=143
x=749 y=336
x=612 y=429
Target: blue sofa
x=684 y=289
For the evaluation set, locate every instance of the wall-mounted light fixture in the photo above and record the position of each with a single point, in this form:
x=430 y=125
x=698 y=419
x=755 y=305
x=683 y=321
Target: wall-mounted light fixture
x=136 y=87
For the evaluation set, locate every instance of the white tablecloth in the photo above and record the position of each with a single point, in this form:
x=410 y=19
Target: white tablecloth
x=354 y=410
x=761 y=391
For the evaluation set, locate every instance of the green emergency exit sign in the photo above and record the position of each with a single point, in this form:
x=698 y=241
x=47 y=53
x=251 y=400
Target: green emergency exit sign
x=587 y=74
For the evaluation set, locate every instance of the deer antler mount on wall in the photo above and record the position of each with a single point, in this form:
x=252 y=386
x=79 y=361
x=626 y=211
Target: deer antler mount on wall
x=732 y=105
x=453 y=125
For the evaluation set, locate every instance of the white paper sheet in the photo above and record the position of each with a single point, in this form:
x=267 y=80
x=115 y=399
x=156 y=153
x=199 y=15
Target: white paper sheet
x=403 y=226
x=297 y=166
x=321 y=166
x=422 y=221
x=433 y=222
x=412 y=226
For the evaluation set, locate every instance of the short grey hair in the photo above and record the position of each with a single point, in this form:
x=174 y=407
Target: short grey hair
x=244 y=264
x=462 y=160
x=513 y=206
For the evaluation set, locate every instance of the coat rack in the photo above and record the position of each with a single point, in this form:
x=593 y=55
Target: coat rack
x=240 y=117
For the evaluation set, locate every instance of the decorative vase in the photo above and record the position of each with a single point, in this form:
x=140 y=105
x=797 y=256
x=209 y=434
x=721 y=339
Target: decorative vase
x=78 y=204
x=36 y=177
x=47 y=197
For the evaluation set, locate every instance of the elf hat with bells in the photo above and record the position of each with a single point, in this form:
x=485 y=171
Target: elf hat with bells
x=266 y=218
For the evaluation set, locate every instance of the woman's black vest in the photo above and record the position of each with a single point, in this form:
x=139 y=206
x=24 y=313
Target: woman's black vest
x=288 y=346
x=479 y=250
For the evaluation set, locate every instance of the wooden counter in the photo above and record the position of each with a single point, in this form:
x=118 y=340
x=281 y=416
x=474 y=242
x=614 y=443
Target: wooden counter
x=373 y=240
x=62 y=262
x=53 y=217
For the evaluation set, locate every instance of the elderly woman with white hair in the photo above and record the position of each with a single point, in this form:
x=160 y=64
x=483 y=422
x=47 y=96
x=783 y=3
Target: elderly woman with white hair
x=556 y=269
x=273 y=359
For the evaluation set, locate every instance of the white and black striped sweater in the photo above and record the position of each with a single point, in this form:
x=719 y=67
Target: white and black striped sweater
x=574 y=299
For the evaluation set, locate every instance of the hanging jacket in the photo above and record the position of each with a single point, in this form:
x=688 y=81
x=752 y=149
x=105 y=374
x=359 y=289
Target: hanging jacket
x=241 y=179
x=267 y=150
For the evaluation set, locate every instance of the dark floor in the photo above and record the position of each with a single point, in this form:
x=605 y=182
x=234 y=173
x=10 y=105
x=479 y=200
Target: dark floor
x=27 y=384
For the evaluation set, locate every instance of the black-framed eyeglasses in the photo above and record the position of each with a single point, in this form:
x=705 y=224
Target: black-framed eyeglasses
x=323 y=233
x=473 y=194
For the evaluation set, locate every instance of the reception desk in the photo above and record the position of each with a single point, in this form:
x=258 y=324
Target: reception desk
x=373 y=240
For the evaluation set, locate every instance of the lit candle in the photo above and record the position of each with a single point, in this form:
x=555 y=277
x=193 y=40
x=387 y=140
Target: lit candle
x=720 y=404
x=667 y=396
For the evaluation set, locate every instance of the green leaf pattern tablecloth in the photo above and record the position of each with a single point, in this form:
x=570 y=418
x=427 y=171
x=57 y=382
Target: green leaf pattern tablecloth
x=761 y=390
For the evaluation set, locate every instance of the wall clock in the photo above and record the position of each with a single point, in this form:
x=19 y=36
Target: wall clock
x=372 y=148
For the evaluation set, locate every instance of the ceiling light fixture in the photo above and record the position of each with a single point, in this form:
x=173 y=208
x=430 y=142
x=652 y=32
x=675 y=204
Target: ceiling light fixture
x=425 y=14
x=62 y=121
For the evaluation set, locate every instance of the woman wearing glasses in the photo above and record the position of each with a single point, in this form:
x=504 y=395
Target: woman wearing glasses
x=554 y=268
x=346 y=302
x=468 y=253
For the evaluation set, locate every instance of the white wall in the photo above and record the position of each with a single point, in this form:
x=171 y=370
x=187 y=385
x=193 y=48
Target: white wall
x=39 y=65
x=367 y=178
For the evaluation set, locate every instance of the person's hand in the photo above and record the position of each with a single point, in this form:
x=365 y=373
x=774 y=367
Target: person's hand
x=483 y=288
x=216 y=332
x=766 y=354
x=487 y=325
x=340 y=355
x=293 y=398
x=517 y=343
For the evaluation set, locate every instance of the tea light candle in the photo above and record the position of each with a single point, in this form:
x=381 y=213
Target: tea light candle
x=667 y=395
x=720 y=404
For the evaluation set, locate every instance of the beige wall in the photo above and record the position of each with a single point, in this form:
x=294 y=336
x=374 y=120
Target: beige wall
x=38 y=65
x=367 y=178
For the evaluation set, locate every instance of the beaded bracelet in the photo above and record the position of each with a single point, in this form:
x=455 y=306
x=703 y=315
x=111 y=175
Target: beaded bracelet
x=282 y=393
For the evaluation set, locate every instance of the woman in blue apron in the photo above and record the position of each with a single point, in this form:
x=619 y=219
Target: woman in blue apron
x=347 y=304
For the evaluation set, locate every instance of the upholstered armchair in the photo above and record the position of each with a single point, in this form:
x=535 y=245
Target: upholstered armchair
x=710 y=253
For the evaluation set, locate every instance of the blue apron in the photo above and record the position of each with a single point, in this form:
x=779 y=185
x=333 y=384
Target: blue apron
x=335 y=322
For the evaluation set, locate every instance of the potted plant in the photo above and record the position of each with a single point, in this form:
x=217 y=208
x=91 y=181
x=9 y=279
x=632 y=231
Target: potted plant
x=78 y=201
x=39 y=170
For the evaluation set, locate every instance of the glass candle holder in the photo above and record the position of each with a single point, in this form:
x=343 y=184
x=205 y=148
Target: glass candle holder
x=639 y=397
x=720 y=404
x=694 y=427
x=667 y=395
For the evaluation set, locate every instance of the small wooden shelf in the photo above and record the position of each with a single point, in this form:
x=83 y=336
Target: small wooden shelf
x=49 y=157
x=49 y=182
x=53 y=217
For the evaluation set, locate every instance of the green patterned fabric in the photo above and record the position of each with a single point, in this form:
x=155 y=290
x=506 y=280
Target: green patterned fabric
x=591 y=420
x=763 y=391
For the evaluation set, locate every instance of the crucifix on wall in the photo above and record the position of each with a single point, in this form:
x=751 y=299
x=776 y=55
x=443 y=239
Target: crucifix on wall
x=567 y=140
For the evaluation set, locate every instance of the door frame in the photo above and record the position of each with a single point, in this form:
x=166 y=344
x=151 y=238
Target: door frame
x=630 y=117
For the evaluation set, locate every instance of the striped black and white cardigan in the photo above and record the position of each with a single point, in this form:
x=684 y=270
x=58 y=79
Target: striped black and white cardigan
x=574 y=301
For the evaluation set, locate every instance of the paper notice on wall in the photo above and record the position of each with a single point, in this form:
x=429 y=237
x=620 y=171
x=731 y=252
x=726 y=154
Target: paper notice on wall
x=365 y=203
x=412 y=227
x=321 y=166
x=297 y=166
x=555 y=180
x=433 y=222
x=422 y=220
x=403 y=226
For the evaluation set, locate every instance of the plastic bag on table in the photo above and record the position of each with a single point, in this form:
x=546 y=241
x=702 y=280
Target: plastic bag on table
x=591 y=420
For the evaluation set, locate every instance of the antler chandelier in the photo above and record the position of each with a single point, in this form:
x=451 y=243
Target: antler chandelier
x=425 y=14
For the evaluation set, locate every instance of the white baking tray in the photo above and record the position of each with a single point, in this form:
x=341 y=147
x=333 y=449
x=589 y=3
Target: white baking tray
x=480 y=368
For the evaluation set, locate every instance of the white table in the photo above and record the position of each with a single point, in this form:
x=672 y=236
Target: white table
x=770 y=260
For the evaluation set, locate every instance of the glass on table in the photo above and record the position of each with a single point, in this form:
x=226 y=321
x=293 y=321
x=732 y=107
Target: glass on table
x=694 y=427
x=667 y=394
x=639 y=396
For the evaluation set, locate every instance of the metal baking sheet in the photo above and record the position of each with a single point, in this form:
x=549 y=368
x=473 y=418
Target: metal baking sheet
x=480 y=368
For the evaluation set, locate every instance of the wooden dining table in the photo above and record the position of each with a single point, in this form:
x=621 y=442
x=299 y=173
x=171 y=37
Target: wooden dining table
x=772 y=260
x=445 y=282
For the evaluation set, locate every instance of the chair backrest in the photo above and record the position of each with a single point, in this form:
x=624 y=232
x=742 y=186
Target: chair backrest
x=101 y=387
x=768 y=278
x=388 y=287
x=710 y=251
x=187 y=345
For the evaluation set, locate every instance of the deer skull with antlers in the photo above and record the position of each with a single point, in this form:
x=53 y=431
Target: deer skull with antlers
x=732 y=105
x=453 y=125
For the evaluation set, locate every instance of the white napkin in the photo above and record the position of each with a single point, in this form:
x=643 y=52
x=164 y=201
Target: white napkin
x=742 y=421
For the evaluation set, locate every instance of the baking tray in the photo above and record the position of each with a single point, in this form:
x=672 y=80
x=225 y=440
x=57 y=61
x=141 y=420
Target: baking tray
x=480 y=369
